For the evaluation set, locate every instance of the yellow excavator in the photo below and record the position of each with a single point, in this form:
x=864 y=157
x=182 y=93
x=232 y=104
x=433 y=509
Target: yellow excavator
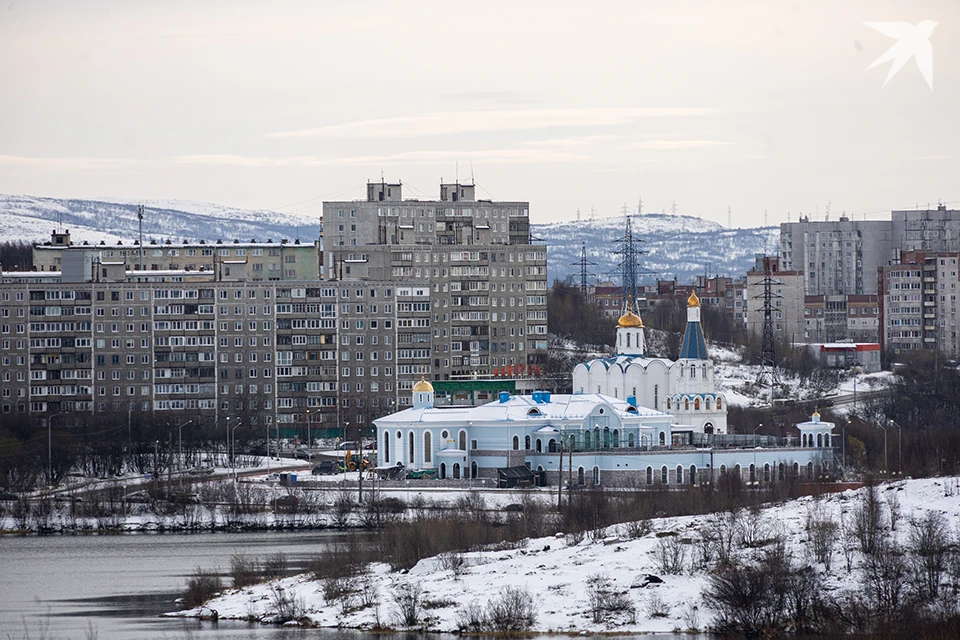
x=352 y=464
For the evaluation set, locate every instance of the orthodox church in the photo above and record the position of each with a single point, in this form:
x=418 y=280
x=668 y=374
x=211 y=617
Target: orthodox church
x=684 y=388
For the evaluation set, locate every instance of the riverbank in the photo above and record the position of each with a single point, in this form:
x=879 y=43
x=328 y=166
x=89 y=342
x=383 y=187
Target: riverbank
x=649 y=577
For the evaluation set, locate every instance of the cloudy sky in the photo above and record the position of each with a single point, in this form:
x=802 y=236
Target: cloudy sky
x=754 y=105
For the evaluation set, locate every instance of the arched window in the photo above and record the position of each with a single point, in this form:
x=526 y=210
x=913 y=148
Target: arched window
x=707 y=403
x=766 y=472
x=526 y=443
x=664 y=475
x=539 y=445
x=580 y=477
x=703 y=372
x=719 y=404
x=606 y=438
x=781 y=472
x=628 y=340
x=737 y=471
x=427 y=447
x=668 y=404
x=410 y=450
x=708 y=428
x=552 y=446
x=649 y=475
x=696 y=404
x=443 y=470
x=686 y=404
x=596 y=475
x=663 y=439
x=693 y=474
x=753 y=473
x=456 y=470
x=516 y=443
x=573 y=442
x=631 y=440
x=796 y=469
x=679 y=474
x=723 y=470
x=810 y=470
x=386 y=446
x=819 y=440
x=474 y=469
x=616 y=438
x=463 y=440
x=693 y=371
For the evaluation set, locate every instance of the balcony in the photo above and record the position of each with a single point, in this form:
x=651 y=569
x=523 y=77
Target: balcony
x=929 y=303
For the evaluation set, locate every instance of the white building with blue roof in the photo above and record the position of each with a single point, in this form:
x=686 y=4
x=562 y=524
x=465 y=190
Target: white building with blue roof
x=684 y=388
x=586 y=439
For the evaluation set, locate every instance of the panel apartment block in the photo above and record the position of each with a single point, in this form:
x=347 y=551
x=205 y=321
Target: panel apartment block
x=469 y=284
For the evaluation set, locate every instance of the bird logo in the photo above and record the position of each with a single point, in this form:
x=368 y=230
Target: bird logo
x=913 y=41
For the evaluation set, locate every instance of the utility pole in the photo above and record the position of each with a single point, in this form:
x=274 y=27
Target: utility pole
x=629 y=252
x=583 y=263
x=768 y=362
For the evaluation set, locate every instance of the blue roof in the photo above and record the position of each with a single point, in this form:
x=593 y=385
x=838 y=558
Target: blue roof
x=694 y=346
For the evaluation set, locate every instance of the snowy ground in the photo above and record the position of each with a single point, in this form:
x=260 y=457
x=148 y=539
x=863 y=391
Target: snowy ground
x=557 y=570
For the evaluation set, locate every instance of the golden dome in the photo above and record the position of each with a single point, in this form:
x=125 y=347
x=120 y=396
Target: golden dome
x=422 y=386
x=630 y=320
x=693 y=300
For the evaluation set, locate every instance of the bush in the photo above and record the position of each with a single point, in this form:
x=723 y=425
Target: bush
x=606 y=603
x=288 y=606
x=670 y=554
x=275 y=566
x=201 y=586
x=513 y=611
x=243 y=571
x=408 y=605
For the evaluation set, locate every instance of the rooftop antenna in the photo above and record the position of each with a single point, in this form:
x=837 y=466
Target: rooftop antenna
x=457 y=166
x=640 y=206
x=472 y=181
x=766 y=219
x=828 y=209
x=673 y=208
x=140 y=220
x=578 y=214
x=729 y=217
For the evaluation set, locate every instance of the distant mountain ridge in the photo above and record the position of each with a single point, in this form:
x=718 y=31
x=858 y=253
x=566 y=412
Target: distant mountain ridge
x=675 y=246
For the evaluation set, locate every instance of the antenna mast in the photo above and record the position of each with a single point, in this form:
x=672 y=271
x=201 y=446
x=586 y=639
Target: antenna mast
x=140 y=220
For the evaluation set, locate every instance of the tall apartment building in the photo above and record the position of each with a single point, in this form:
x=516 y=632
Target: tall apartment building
x=918 y=302
x=470 y=285
x=841 y=257
x=332 y=333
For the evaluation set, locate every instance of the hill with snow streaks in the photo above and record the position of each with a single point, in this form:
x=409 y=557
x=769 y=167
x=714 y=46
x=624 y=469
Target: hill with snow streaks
x=674 y=246
x=31 y=219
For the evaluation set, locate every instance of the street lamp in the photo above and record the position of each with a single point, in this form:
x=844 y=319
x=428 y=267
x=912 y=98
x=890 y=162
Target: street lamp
x=50 y=446
x=180 y=447
x=884 y=446
x=899 y=446
x=855 y=369
x=233 y=454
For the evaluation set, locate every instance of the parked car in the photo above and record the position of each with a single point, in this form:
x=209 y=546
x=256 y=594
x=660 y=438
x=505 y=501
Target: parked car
x=203 y=469
x=302 y=454
x=325 y=467
x=273 y=477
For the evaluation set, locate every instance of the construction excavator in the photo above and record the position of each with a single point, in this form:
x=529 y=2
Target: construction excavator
x=353 y=464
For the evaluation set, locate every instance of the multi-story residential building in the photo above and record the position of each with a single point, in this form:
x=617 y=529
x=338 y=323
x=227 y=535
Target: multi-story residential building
x=918 y=302
x=786 y=299
x=268 y=260
x=280 y=332
x=470 y=284
x=841 y=257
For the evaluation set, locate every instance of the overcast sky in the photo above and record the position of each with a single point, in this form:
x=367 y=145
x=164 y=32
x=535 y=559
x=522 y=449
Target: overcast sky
x=755 y=105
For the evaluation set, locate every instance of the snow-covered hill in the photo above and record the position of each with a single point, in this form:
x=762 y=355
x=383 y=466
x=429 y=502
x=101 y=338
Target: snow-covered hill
x=660 y=568
x=674 y=246
x=31 y=219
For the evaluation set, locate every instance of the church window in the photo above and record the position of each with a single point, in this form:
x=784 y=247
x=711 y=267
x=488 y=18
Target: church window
x=719 y=404
x=631 y=441
x=664 y=475
x=679 y=474
x=580 y=476
x=656 y=396
x=596 y=475
x=693 y=371
x=707 y=402
x=516 y=443
x=628 y=341
x=649 y=475
x=526 y=443
x=696 y=404
x=686 y=404
x=427 y=446
x=668 y=404
x=703 y=372
x=663 y=440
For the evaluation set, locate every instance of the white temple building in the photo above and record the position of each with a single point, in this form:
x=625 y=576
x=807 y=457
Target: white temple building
x=684 y=388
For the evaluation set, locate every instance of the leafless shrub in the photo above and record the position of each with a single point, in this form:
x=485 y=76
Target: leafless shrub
x=638 y=528
x=472 y=618
x=408 y=605
x=894 y=512
x=275 y=566
x=201 y=586
x=342 y=508
x=691 y=618
x=512 y=611
x=607 y=603
x=244 y=571
x=822 y=529
x=885 y=581
x=670 y=554
x=287 y=604
x=657 y=607
x=929 y=546
x=868 y=521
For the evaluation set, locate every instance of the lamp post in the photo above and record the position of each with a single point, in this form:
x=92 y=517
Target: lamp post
x=899 y=446
x=50 y=445
x=180 y=449
x=884 y=446
x=233 y=454
x=343 y=444
x=855 y=369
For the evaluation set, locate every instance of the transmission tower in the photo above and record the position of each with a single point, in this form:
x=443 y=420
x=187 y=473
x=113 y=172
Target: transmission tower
x=583 y=263
x=769 y=373
x=629 y=252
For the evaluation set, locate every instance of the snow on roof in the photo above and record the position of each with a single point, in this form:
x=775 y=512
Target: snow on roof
x=518 y=409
